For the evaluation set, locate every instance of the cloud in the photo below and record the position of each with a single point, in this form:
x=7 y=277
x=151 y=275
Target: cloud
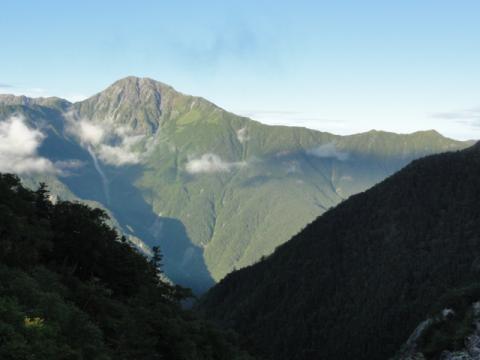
x=328 y=151
x=5 y=86
x=242 y=135
x=117 y=155
x=114 y=145
x=211 y=163
x=468 y=116
x=75 y=97
x=65 y=167
x=18 y=148
x=88 y=132
x=212 y=47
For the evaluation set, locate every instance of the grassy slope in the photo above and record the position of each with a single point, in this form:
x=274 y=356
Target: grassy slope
x=241 y=215
x=237 y=216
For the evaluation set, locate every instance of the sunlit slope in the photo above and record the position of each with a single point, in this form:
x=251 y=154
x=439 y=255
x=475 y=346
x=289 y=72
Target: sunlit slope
x=217 y=191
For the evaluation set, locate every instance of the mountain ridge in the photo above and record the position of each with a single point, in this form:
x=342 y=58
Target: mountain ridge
x=222 y=181
x=125 y=84
x=356 y=282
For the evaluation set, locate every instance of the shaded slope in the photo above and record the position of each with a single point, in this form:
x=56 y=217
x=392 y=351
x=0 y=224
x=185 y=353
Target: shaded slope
x=230 y=208
x=236 y=214
x=357 y=281
x=72 y=289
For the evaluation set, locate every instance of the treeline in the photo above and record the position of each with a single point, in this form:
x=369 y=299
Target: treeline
x=357 y=281
x=70 y=288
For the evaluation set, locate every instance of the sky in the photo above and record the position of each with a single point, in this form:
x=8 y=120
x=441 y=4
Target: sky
x=339 y=66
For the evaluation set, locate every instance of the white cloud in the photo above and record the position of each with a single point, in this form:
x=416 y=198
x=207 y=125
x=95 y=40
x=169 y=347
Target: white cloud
x=328 y=151
x=18 y=148
x=117 y=155
x=242 y=135
x=66 y=167
x=75 y=97
x=89 y=133
x=211 y=163
x=113 y=144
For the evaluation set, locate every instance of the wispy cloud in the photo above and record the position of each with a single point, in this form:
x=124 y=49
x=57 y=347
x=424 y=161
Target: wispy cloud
x=88 y=132
x=114 y=145
x=118 y=155
x=5 y=86
x=19 y=148
x=66 y=166
x=242 y=135
x=467 y=116
x=212 y=47
x=328 y=151
x=74 y=97
x=211 y=163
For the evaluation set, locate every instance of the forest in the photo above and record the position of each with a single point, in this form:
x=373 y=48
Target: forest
x=356 y=282
x=71 y=288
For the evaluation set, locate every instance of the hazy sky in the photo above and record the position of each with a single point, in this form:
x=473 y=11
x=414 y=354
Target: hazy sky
x=339 y=66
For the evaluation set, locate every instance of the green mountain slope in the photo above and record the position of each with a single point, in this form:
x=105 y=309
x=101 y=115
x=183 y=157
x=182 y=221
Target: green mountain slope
x=356 y=282
x=215 y=190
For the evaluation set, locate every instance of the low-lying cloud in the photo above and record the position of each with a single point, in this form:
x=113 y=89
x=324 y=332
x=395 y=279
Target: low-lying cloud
x=67 y=167
x=242 y=135
x=19 y=148
x=211 y=163
x=328 y=151
x=114 y=145
x=117 y=155
x=88 y=132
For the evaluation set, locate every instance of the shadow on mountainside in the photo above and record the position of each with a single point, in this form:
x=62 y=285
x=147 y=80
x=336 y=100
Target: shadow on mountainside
x=183 y=261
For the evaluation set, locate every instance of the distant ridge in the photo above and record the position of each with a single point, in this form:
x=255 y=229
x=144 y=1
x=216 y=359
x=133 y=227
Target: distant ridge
x=215 y=190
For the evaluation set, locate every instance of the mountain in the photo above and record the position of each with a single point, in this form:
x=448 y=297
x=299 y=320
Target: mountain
x=356 y=282
x=215 y=190
x=70 y=288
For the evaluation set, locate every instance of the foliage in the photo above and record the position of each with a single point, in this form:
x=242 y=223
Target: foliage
x=70 y=288
x=451 y=333
x=213 y=222
x=355 y=283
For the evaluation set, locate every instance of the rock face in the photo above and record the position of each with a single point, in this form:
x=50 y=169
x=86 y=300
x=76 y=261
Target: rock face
x=216 y=191
x=470 y=351
x=132 y=102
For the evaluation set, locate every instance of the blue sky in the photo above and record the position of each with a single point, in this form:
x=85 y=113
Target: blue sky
x=339 y=66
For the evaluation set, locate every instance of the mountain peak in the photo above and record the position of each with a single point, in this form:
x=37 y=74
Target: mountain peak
x=430 y=132
x=137 y=103
x=141 y=104
x=139 y=83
